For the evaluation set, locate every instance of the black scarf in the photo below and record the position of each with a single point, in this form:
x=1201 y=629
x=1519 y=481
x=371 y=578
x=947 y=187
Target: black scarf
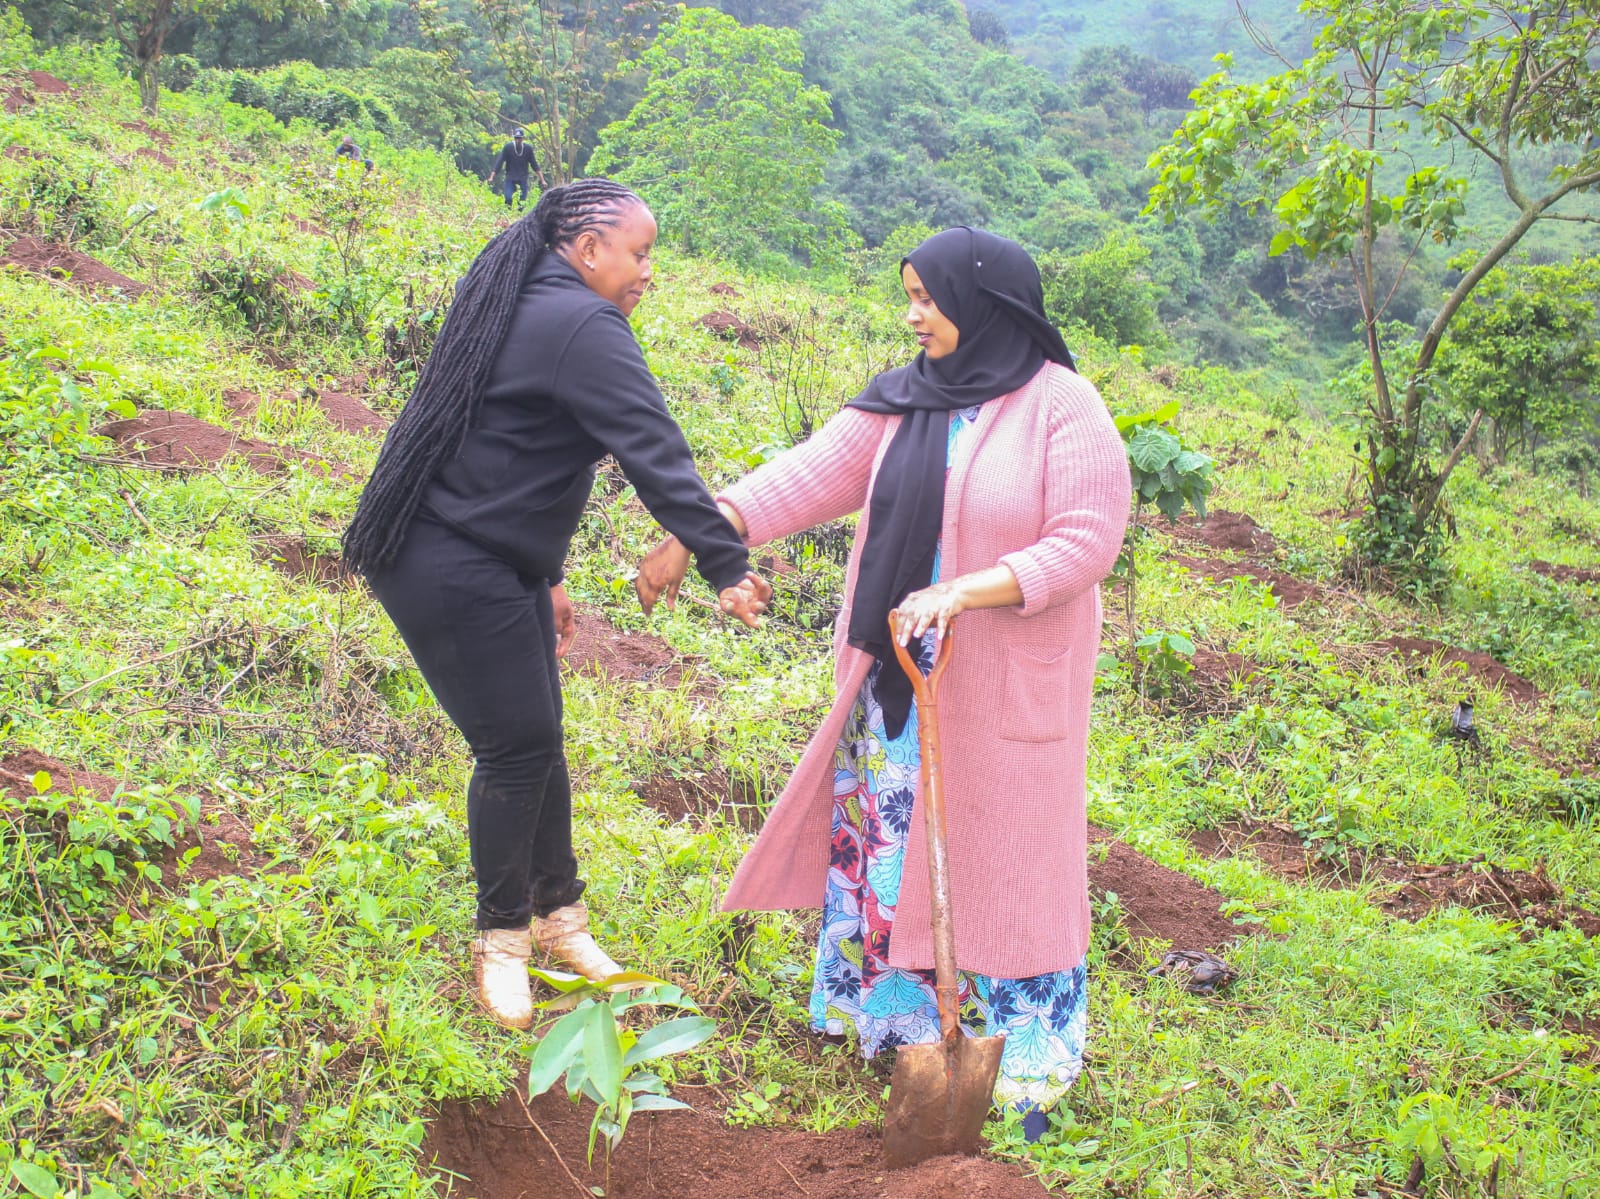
x=990 y=290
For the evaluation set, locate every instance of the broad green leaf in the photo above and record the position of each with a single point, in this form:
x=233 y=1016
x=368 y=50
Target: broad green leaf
x=1166 y=412
x=560 y=980
x=555 y=1052
x=1153 y=448
x=42 y=781
x=602 y=1053
x=658 y=1103
x=670 y=1037
x=36 y=1180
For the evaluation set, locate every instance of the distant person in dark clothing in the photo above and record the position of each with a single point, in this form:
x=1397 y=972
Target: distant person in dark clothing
x=517 y=158
x=463 y=532
x=349 y=149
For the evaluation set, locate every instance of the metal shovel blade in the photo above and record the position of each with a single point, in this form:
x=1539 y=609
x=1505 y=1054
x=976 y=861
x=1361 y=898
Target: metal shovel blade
x=940 y=1093
x=939 y=1099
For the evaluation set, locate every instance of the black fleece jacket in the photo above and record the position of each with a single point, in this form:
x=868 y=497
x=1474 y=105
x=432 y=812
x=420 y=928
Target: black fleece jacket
x=568 y=386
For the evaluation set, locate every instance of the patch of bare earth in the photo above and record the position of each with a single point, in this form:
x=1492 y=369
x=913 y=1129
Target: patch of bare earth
x=727 y=325
x=1222 y=530
x=725 y=289
x=340 y=401
x=1157 y=903
x=1280 y=850
x=1482 y=669
x=1565 y=574
x=292 y=558
x=77 y=270
x=511 y=1151
x=222 y=838
x=18 y=92
x=1408 y=891
x=603 y=649
x=1291 y=592
x=705 y=797
x=1484 y=887
x=155 y=135
x=156 y=156
x=178 y=441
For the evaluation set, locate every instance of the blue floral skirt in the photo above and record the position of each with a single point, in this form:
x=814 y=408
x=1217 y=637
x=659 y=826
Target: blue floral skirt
x=1044 y=1019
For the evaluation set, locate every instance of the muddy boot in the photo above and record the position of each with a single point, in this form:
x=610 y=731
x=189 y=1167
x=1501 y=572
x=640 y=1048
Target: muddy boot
x=500 y=974
x=563 y=937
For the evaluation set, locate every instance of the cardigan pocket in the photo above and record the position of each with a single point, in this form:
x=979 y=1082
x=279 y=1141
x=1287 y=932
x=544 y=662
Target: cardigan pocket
x=1036 y=707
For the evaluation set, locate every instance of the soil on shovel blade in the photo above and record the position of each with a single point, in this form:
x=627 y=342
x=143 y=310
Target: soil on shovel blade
x=495 y=1152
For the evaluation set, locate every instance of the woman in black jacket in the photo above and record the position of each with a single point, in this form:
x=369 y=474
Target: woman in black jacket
x=463 y=530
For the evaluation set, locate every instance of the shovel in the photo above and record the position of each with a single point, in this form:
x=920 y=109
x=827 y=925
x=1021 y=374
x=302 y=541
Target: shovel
x=941 y=1093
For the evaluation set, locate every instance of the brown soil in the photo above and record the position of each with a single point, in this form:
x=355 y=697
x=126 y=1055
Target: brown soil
x=687 y=1155
x=1279 y=849
x=305 y=226
x=1221 y=531
x=341 y=402
x=1485 y=887
x=58 y=262
x=1220 y=682
x=17 y=95
x=155 y=135
x=725 y=324
x=156 y=156
x=1290 y=591
x=726 y=289
x=223 y=839
x=603 y=649
x=1157 y=903
x=240 y=402
x=710 y=796
x=179 y=441
x=1565 y=574
x=290 y=557
x=1481 y=668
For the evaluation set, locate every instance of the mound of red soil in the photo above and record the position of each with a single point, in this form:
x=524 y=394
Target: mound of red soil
x=156 y=156
x=1485 y=887
x=1280 y=850
x=180 y=441
x=1157 y=903
x=58 y=262
x=223 y=839
x=1481 y=668
x=1222 y=531
x=1565 y=574
x=305 y=226
x=708 y=796
x=725 y=289
x=290 y=557
x=155 y=135
x=725 y=324
x=17 y=95
x=1290 y=591
x=345 y=408
x=603 y=649
x=686 y=1155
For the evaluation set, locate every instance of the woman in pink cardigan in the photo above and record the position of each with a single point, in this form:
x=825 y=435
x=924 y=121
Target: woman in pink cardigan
x=992 y=485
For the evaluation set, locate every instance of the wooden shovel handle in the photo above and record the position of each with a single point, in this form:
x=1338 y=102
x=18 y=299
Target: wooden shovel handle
x=944 y=930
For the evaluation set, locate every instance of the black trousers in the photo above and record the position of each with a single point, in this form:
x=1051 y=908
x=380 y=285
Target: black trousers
x=485 y=640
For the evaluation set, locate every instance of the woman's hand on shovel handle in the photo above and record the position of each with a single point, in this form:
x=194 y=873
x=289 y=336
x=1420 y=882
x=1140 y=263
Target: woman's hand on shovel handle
x=936 y=606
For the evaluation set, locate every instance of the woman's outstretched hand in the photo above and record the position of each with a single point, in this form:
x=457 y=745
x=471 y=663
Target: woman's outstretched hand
x=747 y=599
x=566 y=620
x=661 y=574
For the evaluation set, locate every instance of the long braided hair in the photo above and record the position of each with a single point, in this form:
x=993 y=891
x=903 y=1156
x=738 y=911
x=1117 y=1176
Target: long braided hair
x=433 y=426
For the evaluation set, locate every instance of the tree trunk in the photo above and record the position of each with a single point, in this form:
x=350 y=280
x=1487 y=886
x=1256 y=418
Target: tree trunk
x=149 y=85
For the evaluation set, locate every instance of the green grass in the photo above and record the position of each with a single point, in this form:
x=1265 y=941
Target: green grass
x=282 y=1031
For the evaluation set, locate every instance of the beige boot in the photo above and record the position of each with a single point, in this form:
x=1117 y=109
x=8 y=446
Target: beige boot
x=564 y=939
x=500 y=974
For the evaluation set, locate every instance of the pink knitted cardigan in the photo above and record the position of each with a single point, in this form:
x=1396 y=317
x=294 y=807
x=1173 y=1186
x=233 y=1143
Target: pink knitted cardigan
x=1045 y=491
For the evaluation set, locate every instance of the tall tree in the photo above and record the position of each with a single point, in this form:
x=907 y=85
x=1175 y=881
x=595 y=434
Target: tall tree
x=560 y=55
x=1331 y=147
x=143 y=27
x=728 y=141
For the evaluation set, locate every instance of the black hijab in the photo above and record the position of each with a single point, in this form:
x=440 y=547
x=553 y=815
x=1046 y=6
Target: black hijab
x=989 y=288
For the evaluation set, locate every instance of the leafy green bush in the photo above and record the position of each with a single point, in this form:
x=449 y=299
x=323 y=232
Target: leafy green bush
x=1104 y=290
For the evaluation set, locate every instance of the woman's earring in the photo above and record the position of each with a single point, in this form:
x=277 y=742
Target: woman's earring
x=590 y=265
